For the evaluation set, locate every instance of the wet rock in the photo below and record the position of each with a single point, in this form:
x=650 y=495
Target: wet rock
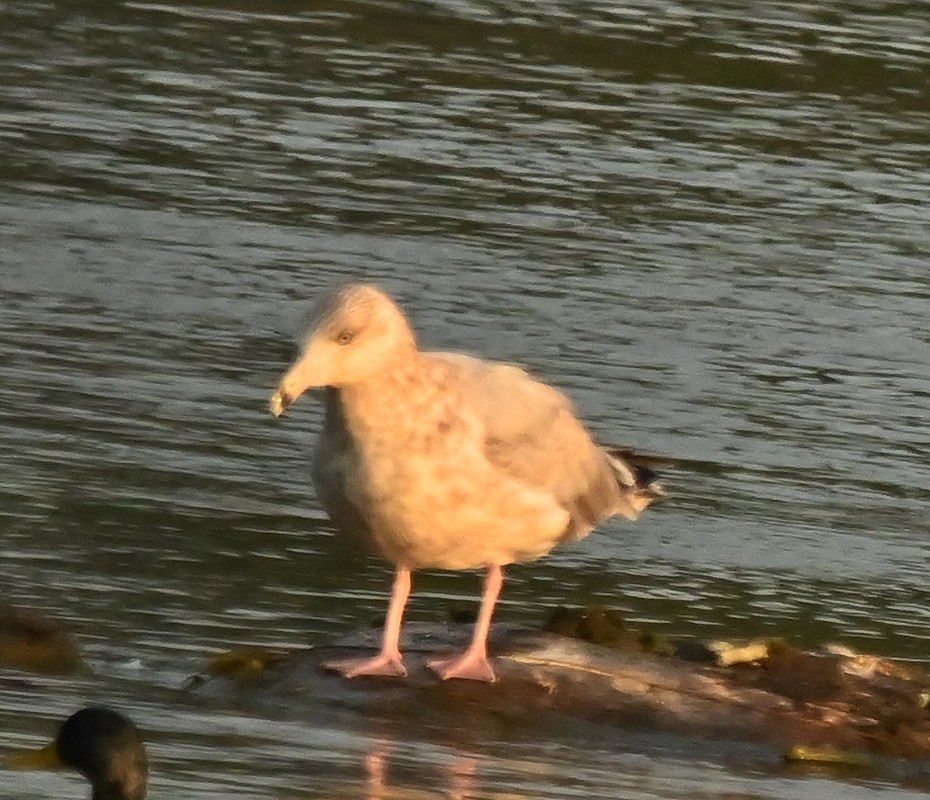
x=239 y=666
x=796 y=675
x=595 y=624
x=33 y=642
x=782 y=696
x=827 y=755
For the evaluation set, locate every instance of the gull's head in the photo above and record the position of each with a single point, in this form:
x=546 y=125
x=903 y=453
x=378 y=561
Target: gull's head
x=352 y=333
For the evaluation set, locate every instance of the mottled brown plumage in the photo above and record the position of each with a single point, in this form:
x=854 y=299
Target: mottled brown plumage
x=441 y=460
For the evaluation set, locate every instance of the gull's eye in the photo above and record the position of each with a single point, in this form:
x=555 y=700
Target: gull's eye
x=344 y=337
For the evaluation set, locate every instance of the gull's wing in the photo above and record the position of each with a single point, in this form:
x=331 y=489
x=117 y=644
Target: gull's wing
x=533 y=435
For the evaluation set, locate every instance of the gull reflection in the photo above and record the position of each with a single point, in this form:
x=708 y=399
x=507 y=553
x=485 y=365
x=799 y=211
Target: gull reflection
x=456 y=777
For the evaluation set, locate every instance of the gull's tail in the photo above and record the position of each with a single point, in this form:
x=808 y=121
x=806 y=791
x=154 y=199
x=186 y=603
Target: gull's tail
x=636 y=477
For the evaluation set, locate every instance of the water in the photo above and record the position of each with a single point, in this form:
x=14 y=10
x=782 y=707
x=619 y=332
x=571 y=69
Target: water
x=705 y=221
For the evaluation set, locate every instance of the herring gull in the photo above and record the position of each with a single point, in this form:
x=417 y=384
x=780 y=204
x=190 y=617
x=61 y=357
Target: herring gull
x=445 y=461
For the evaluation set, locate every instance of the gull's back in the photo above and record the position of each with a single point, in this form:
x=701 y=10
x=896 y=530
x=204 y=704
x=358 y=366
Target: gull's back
x=529 y=435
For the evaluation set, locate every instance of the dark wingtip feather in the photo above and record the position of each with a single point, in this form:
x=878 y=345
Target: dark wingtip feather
x=641 y=465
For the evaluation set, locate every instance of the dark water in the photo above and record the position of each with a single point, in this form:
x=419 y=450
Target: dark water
x=704 y=220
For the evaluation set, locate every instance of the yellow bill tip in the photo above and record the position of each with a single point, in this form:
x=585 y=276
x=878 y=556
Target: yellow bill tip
x=279 y=402
x=43 y=758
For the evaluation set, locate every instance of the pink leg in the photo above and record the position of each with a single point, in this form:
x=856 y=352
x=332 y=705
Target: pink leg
x=473 y=664
x=389 y=661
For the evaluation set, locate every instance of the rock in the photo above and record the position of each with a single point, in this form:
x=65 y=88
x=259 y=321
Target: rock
x=33 y=642
x=787 y=698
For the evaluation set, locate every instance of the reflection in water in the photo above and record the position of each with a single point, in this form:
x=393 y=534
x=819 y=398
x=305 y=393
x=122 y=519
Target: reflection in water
x=706 y=224
x=456 y=777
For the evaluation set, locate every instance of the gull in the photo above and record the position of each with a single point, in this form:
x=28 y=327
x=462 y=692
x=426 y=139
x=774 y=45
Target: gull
x=441 y=460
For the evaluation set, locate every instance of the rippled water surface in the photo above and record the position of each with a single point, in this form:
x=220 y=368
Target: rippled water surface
x=706 y=221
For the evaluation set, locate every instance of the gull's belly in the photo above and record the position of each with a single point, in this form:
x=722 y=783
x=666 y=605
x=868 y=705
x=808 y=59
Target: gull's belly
x=453 y=511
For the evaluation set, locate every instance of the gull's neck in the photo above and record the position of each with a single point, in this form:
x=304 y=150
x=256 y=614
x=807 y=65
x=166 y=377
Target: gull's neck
x=403 y=395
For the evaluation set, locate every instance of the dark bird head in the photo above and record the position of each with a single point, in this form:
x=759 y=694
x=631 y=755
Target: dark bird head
x=101 y=744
